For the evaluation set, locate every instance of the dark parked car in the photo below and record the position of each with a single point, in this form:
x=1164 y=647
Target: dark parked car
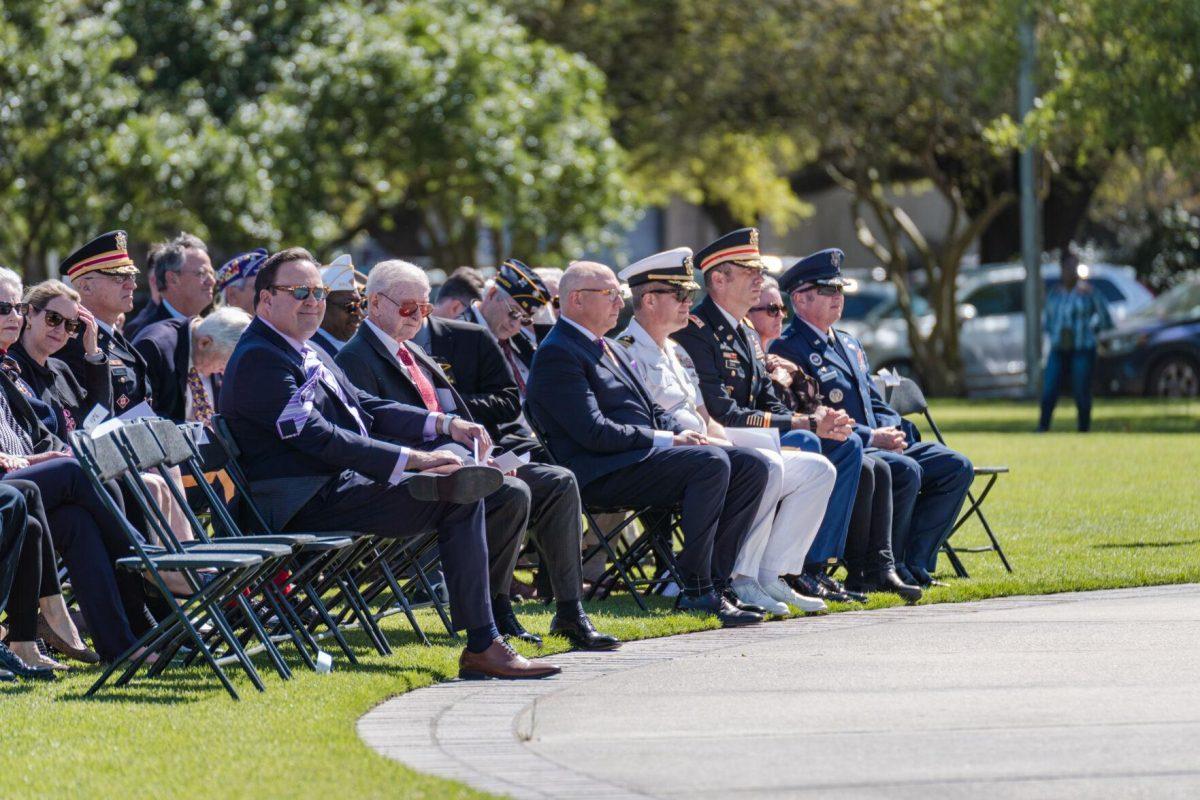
x=1155 y=351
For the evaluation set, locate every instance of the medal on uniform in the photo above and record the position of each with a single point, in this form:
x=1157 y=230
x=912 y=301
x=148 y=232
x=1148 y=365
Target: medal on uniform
x=835 y=395
x=814 y=359
x=123 y=401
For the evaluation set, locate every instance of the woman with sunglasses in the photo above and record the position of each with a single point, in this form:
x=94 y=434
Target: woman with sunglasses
x=767 y=317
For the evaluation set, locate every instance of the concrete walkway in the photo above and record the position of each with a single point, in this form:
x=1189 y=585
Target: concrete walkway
x=1077 y=695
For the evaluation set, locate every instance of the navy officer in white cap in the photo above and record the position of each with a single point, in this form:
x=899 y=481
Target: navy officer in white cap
x=798 y=485
x=921 y=524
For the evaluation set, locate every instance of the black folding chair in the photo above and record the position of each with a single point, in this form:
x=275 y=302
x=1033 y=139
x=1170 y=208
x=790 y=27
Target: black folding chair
x=627 y=561
x=907 y=399
x=225 y=576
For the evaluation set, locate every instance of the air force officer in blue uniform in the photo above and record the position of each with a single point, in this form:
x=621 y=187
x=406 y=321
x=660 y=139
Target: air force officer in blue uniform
x=922 y=519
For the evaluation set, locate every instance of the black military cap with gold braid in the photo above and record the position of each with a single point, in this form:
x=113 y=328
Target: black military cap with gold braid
x=106 y=253
x=740 y=247
x=523 y=285
x=672 y=266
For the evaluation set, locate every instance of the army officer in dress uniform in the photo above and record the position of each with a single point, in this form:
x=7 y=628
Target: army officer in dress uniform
x=921 y=522
x=738 y=392
x=798 y=484
x=105 y=277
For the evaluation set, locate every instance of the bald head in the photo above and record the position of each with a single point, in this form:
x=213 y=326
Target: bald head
x=590 y=295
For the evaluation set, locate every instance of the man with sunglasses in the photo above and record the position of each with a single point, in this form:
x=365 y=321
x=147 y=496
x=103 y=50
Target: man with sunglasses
x=323 y=455
x=738 y=392
x=798 y=485
x=921 y=518
x=343 y=308
x=105 y=277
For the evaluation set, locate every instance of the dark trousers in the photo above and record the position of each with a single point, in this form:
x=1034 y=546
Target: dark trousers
x=846 y=457
x=1079 y=364
x=921 y=525
x=13 y=522
x=90 y=540
x=37 y=573
x=718 y=490
x=387 y=510
x=506 y=515
x=556 y=526
x=869 y=544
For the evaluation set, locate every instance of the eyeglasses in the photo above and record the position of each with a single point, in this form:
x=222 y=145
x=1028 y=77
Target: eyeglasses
x=519 y=314
x=54 y=319
x=410 y=307
x=302 y=292
x=772 y=310
x=612 y=295
x=354 y=306
x=7 y=308
x=682 y=294
x=824 y=290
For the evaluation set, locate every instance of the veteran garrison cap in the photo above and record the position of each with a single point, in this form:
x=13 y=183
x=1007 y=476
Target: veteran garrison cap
x=671 y=266
x=106 y=253
x=740 y=247
x=523 y=285
x=339 y=275
x=243 y=265
x=822 y=268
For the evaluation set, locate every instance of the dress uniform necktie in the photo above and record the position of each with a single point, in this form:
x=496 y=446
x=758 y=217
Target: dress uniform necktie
x=202 y=409
x=510 y=356
x=417 y=376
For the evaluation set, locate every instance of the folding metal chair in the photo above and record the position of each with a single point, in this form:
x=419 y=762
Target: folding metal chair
x=102 y=461
x=907 y=399
x=627 y=561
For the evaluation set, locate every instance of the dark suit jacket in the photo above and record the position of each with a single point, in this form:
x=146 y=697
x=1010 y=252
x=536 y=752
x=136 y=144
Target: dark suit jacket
x=842 y=372
x=43 y=440
x=472 y=361
x=263 y=374
x=325 y=342
x=734 y=382
x=150 y=314
x=56 y=385
x=166 y=348
x=130 y=382
x=597 y=415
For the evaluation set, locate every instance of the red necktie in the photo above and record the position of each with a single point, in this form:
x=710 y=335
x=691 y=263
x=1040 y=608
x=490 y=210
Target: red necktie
x=417 y=375
x=511 y=356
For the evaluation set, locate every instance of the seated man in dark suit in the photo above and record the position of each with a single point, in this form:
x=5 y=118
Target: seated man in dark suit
x=184 y=275
x=185 y=359
x=313 y=448
x=600 y=421
x=382 y=360
x=921 y=520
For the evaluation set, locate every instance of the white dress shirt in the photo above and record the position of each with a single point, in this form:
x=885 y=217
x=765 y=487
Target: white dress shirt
x=663 y=371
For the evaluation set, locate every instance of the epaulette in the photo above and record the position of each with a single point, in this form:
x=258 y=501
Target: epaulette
x=699 y=323
x=626 y=340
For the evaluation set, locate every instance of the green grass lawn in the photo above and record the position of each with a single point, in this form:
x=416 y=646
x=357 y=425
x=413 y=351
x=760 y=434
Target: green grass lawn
x=1117 y=507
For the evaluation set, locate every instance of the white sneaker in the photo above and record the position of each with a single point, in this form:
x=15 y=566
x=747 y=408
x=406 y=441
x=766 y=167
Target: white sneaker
x=778 y=590
x=748 y=591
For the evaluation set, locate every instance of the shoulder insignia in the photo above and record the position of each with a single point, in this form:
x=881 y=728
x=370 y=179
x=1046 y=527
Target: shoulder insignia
x=699 y=323
x=626 y=340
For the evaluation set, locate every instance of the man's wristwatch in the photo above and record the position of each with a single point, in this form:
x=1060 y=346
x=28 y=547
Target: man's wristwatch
x=443 y=425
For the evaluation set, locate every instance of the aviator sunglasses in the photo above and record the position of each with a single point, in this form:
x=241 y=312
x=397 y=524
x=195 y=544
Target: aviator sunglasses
x=303 y=292
x=772 y=310
x=682 y=294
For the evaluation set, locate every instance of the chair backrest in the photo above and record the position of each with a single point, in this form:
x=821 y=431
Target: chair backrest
x=104 y=452
x=224 y=437
x=143 y=446
x=172 y=440
x=907 y=398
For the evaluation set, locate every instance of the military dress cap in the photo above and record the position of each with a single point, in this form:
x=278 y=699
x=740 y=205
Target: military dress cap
x=823 y=268
x=106 y=253
x=241 y=266
x=672 y=266
x=339 y=275
x=740 y=247
x=523 y=285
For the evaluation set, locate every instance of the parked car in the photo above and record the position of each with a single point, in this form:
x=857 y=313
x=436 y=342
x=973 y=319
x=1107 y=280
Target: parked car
x=992 y=336
x=1155 y=351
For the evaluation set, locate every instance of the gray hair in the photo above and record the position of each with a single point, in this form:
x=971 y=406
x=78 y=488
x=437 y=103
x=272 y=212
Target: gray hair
x=387 y=274
x=224 y=326
x=11 y=279
x=169 y=256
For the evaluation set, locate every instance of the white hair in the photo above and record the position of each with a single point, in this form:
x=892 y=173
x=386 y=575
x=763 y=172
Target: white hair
x=11 y=279
x=386 y=274
x=224 y=326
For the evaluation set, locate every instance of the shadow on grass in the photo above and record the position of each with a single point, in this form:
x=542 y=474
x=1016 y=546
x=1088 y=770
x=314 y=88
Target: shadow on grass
x=1139 y=545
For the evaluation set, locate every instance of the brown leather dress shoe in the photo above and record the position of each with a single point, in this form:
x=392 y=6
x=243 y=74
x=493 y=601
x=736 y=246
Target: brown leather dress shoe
x=501 y=661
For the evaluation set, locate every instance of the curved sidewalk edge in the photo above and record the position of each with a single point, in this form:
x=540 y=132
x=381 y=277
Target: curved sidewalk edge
x=475 y=732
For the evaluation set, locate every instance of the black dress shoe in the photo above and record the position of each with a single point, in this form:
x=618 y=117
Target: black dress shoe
x=733 y=600
x=13 y=663
x=887 y=581
x=905 y=575
x=836 y=589
x=5 y=675
x=923 y=578
x=807 y=585
x=509 y=625
x=710 y=603
x=580 y=631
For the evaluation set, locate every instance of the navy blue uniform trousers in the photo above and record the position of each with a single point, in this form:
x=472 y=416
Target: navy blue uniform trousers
x=717 y=489
x=830 y=541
